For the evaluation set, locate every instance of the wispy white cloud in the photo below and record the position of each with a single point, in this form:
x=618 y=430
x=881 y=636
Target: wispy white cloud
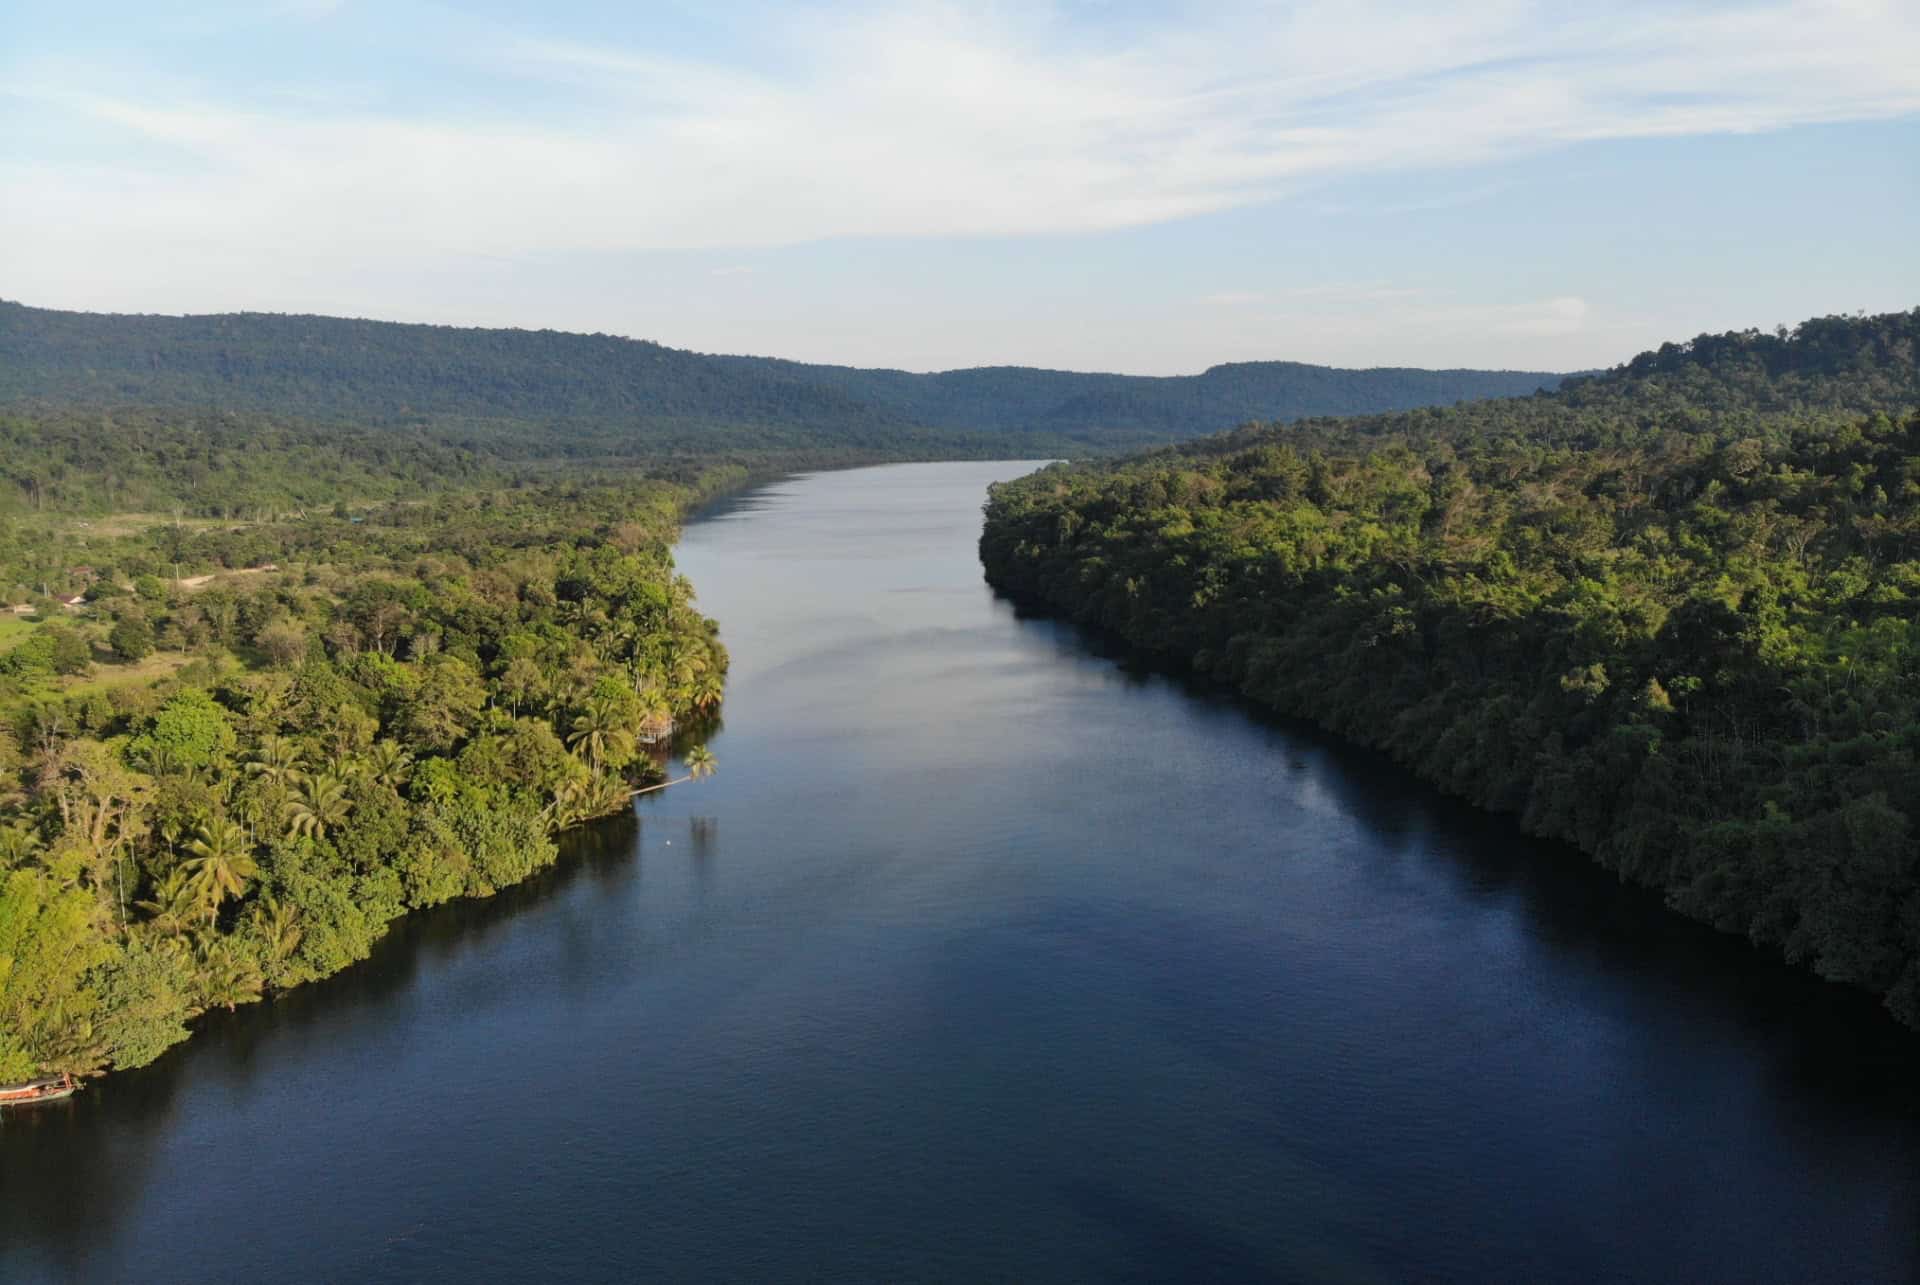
x=918 y=119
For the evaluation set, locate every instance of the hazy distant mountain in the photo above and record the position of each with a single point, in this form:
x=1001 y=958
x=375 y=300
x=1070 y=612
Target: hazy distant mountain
x=1023 y=397
x=374 y=371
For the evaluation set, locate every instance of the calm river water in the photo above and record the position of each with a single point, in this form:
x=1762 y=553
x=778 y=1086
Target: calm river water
x=990 y=956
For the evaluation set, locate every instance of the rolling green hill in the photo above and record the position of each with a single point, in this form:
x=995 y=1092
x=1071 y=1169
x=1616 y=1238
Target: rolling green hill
x=1003 y=398
x=547 y=391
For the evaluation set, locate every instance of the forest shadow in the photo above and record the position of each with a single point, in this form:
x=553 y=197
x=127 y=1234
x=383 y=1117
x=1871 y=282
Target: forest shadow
x=1837 y=1043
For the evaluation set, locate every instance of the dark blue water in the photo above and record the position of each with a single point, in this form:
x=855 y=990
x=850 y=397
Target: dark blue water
x=988 y=956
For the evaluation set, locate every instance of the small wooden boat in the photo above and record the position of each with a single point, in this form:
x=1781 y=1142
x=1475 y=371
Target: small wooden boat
x=49 y=1089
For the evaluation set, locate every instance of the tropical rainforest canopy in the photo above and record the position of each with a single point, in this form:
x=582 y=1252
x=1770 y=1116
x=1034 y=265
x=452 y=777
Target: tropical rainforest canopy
x=254 y=745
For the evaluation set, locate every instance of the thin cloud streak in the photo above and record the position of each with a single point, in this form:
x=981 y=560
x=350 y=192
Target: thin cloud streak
x=914 y=121
x=929 y=121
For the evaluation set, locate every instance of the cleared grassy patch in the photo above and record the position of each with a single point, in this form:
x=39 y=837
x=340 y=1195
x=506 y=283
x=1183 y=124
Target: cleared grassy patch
x=104 y=678
x=14 y=630
x=223 y=579
x=116 y=525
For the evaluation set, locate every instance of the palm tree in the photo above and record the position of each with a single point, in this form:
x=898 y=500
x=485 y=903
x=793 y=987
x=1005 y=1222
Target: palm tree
x=227 y=978
x=221 y=865
x=277 y=759
x=620 y=641
x=279 y=926
x=583 y=618
x=388 y=764
x=707 y=689
x=69 y=1047
x=568 y=805
x=600 y=733
x=700 y=762
x=320 y=806
x=172 y=907
x=18 y=845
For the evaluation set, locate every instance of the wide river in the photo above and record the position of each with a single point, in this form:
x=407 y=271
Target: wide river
x=990 y=955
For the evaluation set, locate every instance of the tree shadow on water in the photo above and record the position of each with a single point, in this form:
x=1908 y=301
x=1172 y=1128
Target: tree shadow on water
x=1833 y=1047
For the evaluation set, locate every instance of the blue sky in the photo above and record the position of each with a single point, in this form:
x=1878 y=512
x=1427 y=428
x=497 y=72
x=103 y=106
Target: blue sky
x=1094 y=185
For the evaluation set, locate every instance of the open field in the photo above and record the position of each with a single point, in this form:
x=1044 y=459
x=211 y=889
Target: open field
x=104 y=678
x=190 y=583
x=113 y=526
x=108 y=676
x=14 y=630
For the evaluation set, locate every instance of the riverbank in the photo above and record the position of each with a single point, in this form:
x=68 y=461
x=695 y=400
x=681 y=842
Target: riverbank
x=1466 y=682
x=409 y=716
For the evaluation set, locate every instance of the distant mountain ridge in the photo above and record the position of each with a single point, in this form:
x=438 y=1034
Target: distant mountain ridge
x=330 y=368
x=1170 y=406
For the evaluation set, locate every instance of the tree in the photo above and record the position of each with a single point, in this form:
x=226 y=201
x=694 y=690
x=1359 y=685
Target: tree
x=228 y=978
x=700 y=763
x=221 y=867
x=522 y=683
x=146 y=997
x=67 y=651
x=276 y=758
x=173 y=906
x=131 y=639
x=707 y=689
x=388 y=764
x=319 y=805
x=443 y=708
x=48 y=944
x=102 y=808
x=284 y=642
x=190 y=731
x=18 y=845
x=599 y=734
x=276 y=926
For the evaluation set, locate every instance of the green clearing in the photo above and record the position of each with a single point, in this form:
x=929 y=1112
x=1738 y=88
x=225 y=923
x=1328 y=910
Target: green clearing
x=15 y=629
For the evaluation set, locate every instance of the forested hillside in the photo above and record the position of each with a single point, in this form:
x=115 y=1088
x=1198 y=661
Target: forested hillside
x=1137 y=407
x=545 y=392
x=231 y=464
x=1670 y=614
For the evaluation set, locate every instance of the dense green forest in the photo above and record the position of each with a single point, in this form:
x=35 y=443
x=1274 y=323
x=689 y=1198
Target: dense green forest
x=1116 y=409
x=1670 y=613
x=545 y=393
x=229 y=464
x=257 y=742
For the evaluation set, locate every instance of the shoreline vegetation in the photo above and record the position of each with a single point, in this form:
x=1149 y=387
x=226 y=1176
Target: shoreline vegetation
x=1669 y=614
x=361 y=712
